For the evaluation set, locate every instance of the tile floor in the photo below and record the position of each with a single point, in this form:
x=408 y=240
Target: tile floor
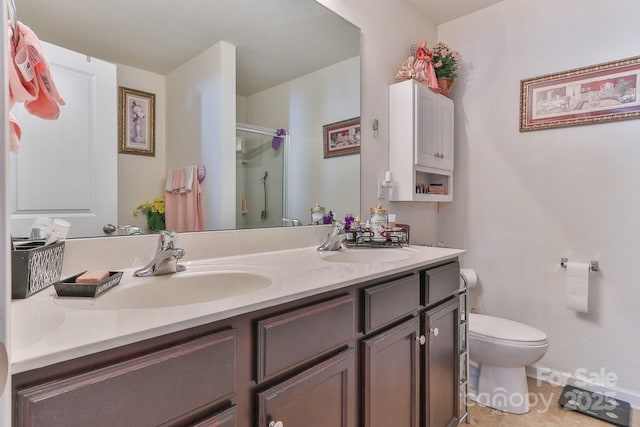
x=554 y=416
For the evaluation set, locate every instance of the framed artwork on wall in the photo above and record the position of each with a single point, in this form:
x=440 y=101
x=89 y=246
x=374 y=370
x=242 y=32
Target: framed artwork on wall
x=136 y=122
x=341 y=138
x=595 y=94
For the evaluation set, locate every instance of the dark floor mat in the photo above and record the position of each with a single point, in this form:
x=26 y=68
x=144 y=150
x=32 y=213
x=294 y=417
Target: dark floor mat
x=595 y=405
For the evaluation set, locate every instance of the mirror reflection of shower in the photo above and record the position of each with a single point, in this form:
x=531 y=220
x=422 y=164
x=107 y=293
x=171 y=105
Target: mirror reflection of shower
x=260 y=176
x=263 y=214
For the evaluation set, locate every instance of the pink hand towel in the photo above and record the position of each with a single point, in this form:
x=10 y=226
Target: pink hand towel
x=178 y=179
x=29 y=57
x=30 y=81
x=183 y=210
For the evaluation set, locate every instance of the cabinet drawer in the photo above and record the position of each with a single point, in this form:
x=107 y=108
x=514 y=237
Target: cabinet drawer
x=441 y=282
x=301 y=335
x=149 y=390
x=390 y=301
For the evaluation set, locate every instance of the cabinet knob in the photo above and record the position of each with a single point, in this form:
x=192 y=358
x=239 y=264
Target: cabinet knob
x=276 y=424
x=434 y=331
x=421 y=339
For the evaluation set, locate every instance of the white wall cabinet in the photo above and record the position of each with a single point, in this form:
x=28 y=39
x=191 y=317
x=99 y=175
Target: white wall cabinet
x=420 y=142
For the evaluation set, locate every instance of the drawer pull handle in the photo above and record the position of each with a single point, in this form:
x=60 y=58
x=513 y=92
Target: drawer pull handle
x=434 y=331
x=276 y=424
x=421 y=339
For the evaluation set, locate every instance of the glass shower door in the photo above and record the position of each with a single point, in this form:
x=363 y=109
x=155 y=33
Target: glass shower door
x=259 y=178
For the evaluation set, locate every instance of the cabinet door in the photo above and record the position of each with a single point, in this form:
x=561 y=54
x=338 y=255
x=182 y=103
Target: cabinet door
x=426 y=143
x=441 y=364
x=226 y=418
x=391 y=378
x=322 y=396
x=445 y=136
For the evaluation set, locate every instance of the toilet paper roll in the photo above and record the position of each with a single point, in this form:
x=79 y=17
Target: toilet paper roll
x=470 y=275
x=577 y=286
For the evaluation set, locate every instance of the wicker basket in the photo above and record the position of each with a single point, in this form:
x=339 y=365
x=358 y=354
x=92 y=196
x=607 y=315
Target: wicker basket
x=34 y=267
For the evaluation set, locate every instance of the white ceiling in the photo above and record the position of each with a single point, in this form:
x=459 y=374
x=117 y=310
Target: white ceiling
x=441 y=11
x=276 y=40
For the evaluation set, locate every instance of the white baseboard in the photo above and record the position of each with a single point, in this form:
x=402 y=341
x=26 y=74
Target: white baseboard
x=559 y=378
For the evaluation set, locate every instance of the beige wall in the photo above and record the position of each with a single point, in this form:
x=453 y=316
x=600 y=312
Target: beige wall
x=141 y=178
x=388 y=31
x=303 y=106
x=201 y=128
x=524 y=200
x=389 y=28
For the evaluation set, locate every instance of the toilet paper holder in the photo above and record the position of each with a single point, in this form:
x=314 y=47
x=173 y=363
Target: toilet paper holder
x=593 y=265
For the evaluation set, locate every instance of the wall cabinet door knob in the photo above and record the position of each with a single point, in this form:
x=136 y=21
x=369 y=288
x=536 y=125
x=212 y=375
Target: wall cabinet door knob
x=421 y=339
x=434 y=331
x=276 y=424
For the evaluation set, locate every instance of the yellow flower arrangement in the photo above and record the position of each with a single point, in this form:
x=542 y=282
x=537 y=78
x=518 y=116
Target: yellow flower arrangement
x=154 y=212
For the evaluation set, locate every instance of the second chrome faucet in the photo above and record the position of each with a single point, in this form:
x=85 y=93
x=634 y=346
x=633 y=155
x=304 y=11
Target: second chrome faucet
x=335 y=238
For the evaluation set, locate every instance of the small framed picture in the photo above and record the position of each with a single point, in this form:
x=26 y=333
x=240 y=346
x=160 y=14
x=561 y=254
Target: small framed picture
x=136 y=122
x=342 y=138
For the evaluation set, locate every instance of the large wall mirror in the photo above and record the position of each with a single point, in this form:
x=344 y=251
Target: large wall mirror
x=295 y=66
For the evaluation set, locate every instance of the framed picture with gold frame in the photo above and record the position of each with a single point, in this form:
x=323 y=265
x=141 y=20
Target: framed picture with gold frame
x=341 y=138
x=595 y=94
x=136 y=122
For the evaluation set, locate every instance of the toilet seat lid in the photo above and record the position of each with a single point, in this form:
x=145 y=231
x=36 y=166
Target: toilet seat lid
x=504 y=329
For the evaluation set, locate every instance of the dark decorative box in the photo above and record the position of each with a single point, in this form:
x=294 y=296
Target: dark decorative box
x=34 y=267
x=69 y=288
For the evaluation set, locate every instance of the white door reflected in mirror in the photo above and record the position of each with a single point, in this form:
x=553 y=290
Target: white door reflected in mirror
x=75 y=181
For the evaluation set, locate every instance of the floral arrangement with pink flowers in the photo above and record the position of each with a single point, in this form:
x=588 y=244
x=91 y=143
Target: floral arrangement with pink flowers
x=445 y=61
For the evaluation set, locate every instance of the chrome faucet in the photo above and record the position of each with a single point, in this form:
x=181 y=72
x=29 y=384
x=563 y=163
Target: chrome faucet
x=166 y=258
x=335 y=238
x=128 y=229
x=292 y=221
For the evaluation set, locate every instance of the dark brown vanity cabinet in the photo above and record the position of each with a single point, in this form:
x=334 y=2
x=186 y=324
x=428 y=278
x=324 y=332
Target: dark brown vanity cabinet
x=322 y=395
x=376 y=354
x=441 y=356
x=224 y=418
x=410 y=352
x=441 y=361
x=158 y=388
x=391 y=377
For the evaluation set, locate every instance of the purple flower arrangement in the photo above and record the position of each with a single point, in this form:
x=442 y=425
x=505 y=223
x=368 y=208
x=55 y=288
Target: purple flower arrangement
x=348 y=220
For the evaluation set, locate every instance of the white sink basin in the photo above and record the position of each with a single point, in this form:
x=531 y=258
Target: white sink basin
x=371 y=255
x=196 y=285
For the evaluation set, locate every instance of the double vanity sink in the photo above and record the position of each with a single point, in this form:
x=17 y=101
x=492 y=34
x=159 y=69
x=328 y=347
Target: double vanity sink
x=211 y=280
x=49 y=329
x=244 y=337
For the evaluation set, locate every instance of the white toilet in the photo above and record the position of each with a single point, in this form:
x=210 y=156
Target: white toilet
x=503 y=348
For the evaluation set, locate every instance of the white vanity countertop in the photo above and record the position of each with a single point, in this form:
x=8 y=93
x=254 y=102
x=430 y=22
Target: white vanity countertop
x=47 y=329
